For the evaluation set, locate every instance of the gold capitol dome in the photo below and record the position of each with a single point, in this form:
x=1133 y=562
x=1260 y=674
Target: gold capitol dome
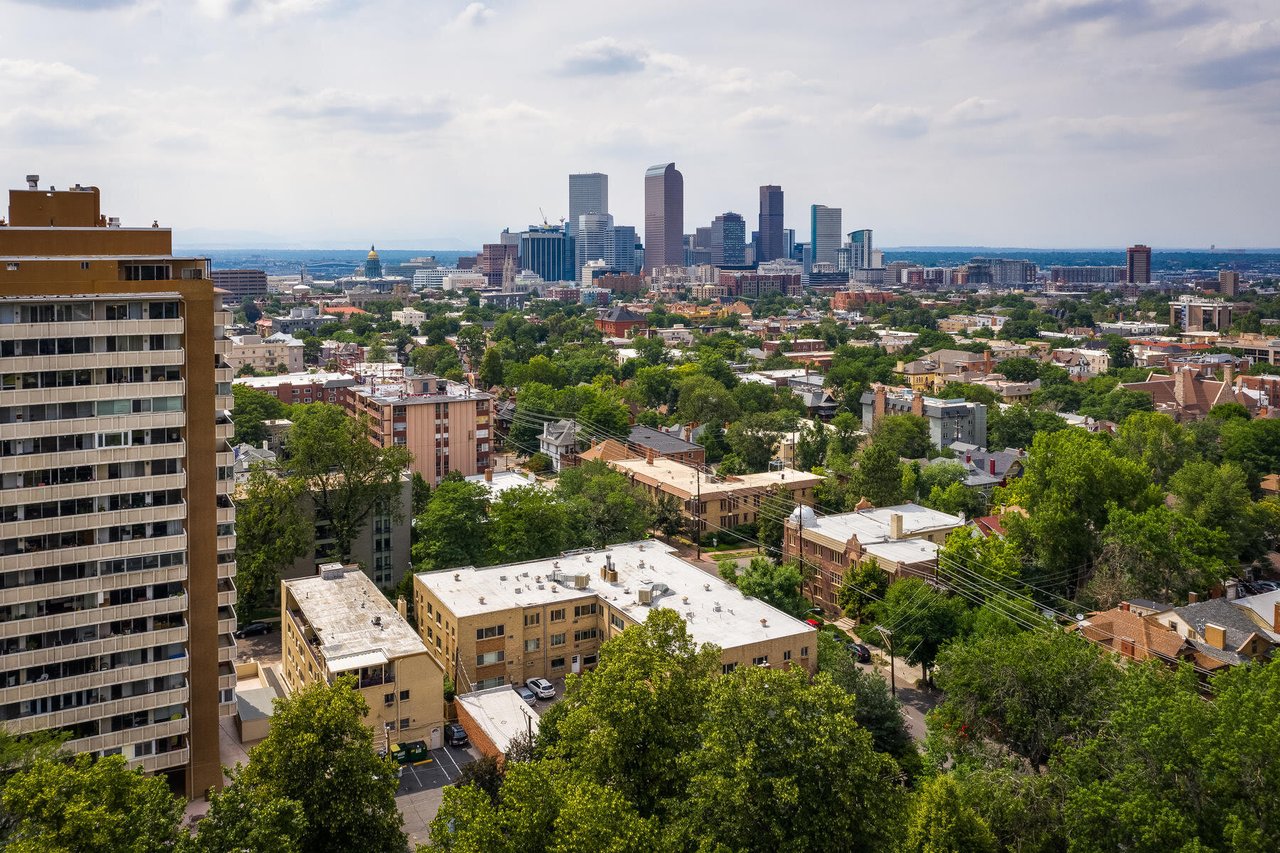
x=373 y=253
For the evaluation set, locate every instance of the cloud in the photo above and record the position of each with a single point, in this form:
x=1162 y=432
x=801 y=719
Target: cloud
x=366 y=113
x=28 y=74
x=604 y=57
x=765 y=118
x=475 y=15
x=266 y=10
x=1127 y=16
x=39 y=127
x=898 y=121
x=1234 y=56
x=79 y=5
x=1114 y=133
x=975 y=111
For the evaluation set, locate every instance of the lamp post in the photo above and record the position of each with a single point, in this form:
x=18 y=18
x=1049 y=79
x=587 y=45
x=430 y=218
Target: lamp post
x=888 y=638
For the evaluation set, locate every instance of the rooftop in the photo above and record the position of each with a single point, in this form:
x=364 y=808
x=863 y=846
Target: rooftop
x=660 y=441
x=317 y=378
x=501 y=481
x=501 y=714
x=872 y=526
x=715 y=611
x=356 y=624
x=688 y=480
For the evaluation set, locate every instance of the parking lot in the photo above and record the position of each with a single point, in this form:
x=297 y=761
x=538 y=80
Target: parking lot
x=422 y=788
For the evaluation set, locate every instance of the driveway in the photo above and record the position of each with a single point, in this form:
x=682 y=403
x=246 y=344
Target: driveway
x=422 y=788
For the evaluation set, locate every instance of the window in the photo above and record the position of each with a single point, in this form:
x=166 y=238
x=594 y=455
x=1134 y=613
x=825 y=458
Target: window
x=584 y=610
x=786 y=655
x=531 y=619
x=616 y=621
x=486 y=683
x=490 y=632
x=727 y=668
x=557 y=639
x=804 y=651
x=389 y=699
x=589 y=634
x=557 y=663
x=532 y=645
x=490 y=658
x=589 y=660
x=557 y=615
x=404 y=695
x=404 y=722
x=391 y=725
x=763 y=660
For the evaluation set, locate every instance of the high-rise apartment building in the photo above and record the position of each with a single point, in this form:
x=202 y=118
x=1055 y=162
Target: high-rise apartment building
x=860 y=249
x=771 y=244
x=588 y=193
x=824 y=230
x=728 y=240
x=663 y=216
x=117 y=542
x=1139 y=263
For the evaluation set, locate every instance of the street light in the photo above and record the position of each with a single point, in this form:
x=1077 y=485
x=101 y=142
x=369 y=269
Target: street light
x=888 y=639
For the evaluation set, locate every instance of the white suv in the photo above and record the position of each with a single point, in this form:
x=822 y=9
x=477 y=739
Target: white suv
x=541 y=688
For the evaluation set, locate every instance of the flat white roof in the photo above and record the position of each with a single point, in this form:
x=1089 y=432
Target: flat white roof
x=715 y=611
x=504 y=480
x=872 y=525
x=501 y=713
x=321 y=377
x=690 y=481
x=356 y=624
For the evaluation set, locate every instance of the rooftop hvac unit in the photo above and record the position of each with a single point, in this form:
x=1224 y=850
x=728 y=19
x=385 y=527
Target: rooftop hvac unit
x=581 y=580
x=645 y=595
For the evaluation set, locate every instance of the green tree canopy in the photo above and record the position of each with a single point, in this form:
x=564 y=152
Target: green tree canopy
x=272 y=530
x=454 y=531
x=604 y=507
x=906 y=435
x=942 y=822
x=528 y=523
x=878 y=477
x=252 y=408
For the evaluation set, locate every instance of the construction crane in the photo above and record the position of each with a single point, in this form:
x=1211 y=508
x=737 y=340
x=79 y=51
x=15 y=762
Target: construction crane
x=545 y=223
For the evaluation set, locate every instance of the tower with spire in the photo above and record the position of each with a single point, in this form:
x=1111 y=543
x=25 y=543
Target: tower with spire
x=373 y=264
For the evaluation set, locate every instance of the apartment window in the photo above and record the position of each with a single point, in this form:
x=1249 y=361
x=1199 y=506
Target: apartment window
x=532 y=645
x=490 y=658
x=531 y=619
x=786 y=655
x=491 y=632
x=486 y=683
x=404 y=722
x=584 y=610
x=557 y=663
x=616 y=621
x=589 y=634
x=404 y=695
x=804 y=651
x=388 y=698
x=391 y=725
x=763 y=660
x=727 y=668
x=557 y=615
x=589 y=660
x=557 y=639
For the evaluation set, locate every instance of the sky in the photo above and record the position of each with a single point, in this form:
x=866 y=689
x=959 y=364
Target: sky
x=430 y=124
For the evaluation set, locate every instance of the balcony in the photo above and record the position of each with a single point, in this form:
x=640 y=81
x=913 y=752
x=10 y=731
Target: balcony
x=104 y=455
x=165 y=760
x=107 y=423
x=91 y=329
x=101 y=678
x=93 y=616
x=85 y=553
x=86 y=586
x=89 y=360
x=227 y=570
x=91 y=648
x=82 y=393
x=227 y=595
x=99 y=710
x=124 y=737
x=94 y=488
x=93 y=520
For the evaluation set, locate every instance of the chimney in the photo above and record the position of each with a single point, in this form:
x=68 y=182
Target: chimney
x=1215 y=635
x=1183 y=387
x=488 y=475
x=917 y=404
x=1229 y=375
x=991 y=465
x=895 y=525
x=648 y=456
x=402 y=607
x=1124 y=606
x=878 y=407
x=1275 y=616
x=1193 y=598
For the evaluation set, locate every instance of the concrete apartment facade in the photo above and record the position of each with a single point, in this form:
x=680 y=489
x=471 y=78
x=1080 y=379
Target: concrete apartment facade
x=266 y=355
x=716 y=503
x=547 y=618
x=117 y=542
x=903 y=540
x=337 y=623
x=445 y=425
x=949 y=420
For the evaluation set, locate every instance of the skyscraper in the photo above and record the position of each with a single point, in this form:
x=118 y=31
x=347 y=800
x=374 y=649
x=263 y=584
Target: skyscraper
x=117 y=537
x=771 y=244
x=588 y=193
x=543 y=250
x=623 y=256
x=860 y=243
x=663 y=216
x=824 y=230
x=728 y=239
x=1139 y=262
x=594 y=241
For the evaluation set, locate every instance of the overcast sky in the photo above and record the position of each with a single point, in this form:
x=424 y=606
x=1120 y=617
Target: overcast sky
x=1054 y=123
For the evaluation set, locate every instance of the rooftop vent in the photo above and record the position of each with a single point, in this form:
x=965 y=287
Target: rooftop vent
x=457 y=577
x=716 y=607
x=377 y=620
x=502 y=577
x=684 y=599
x=763 y=621
x=482 y=602
x=707 y=587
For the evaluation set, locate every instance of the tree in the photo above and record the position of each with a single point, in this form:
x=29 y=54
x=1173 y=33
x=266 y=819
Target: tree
x=471 y=343
x=941 y=822
x=906 y=435
x=1026 y=692
x=775 y=509
x=777 y=584
x=878 y=477
x=1119 y=352
x=1157 y=442
x=782 y=764
x=991 y=562
x=80 y=803
x=272 y=530
x=1165 y=554
x=652 y=386
x=1253 y=445
x=252 y=407
x=251 y=311
x=922 y=619
x=753 y=438
x=1218 y=498
x=626 y=723
x=528 y=523
x=347 y=476
x=811 y=447
x=1117 y=405
x=421 y=494
x=968 y=391
x=863 y=584
x=454 y=531
x=1020 y=369
x=491 y=368
x=875 y=708
x=957 y=499
x=249 y=818
x=604 y=506
x=320 y=755
x=704 y=400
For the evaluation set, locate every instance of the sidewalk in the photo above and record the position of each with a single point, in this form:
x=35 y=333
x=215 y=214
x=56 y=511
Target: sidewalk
x=916 y=701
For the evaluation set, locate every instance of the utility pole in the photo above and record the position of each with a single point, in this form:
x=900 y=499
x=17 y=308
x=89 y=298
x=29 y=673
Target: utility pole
x=893 y=679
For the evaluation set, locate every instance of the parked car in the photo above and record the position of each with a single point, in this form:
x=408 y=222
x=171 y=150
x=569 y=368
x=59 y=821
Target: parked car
x=861 y=652
x=526 y=694
x=541 y=688
x=253 y=629
x=456 y=735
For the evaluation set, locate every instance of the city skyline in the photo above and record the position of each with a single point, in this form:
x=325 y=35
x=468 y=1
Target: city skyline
x=1144 y=121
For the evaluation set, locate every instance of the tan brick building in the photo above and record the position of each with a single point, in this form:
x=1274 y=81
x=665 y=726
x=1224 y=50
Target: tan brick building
x=547 y=618
x=339 y=623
